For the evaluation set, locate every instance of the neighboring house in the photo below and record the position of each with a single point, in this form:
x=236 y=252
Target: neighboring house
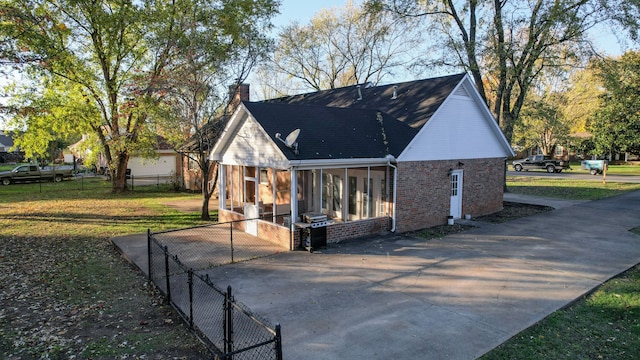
x=164 y=166
x=374 y=159
x=6 y=154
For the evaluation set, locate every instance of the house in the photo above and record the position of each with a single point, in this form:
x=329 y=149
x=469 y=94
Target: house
x=162 y=167
x=373 y=159
x=6 y=144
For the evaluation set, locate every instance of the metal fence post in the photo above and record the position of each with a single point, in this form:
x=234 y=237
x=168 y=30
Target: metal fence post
x=149 y=253
x=190 y=281
x=166 y=267
x=228 y=322
x=231 y=239
x=278 y=343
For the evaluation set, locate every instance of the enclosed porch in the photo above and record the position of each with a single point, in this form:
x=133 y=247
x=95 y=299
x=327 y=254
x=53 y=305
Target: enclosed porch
x=357 y=199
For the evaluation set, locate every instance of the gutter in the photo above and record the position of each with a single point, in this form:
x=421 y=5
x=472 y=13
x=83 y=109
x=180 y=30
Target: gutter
x=327 y=163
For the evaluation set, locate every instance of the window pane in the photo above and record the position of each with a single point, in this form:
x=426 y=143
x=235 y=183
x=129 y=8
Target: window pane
x=353 y=193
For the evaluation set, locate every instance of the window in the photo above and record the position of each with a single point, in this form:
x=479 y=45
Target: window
x=264 y=176
x=353 y=195
x=367 y=209
x=454 y=184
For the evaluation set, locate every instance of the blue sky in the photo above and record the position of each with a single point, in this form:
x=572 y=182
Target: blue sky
x=303 y=10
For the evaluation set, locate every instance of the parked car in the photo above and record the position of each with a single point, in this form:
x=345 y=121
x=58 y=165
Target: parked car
x=29 y=173
x=540 y=162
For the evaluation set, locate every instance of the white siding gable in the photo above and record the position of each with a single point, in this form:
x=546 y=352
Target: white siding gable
x=460 y=129
x=251 y=146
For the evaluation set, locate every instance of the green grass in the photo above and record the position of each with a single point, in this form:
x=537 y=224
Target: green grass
x=65 y=289
x=567 y=188
x=602 y=325
x=612 y=170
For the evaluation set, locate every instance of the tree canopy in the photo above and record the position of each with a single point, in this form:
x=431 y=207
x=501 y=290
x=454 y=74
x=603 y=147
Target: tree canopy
x=343 y=46
x=507 y=44
x=615 y=126
x=120 y=54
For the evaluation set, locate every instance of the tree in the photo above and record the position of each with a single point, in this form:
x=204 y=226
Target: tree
x=616 y=125
x=119 y=52
x=541 y=124
x=50 y=111
x=99 y=45
x=506 y=45
x=194 y=109
x=344 y=47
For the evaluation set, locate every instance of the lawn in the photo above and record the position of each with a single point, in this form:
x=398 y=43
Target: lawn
x=602 y=325
x=65 y=292
x=567 y=188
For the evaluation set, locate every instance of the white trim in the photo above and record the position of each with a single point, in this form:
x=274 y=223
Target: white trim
x=332 y=163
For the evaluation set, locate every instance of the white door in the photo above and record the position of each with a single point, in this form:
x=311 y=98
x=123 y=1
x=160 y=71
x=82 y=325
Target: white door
x=456 y=194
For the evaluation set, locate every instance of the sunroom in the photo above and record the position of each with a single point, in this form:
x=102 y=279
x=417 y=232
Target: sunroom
x=354 y=197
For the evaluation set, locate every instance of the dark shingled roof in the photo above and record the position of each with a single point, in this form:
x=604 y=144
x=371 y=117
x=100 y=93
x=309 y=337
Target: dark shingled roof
x=6 y=139
x=331 y=132
x=415 y=102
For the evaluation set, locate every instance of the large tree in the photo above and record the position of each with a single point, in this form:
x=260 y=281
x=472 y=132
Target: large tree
x=616 y=125
x=120 y=53
x=195 y=104
x=99 y=45
x=344 y=46
x=507 y=44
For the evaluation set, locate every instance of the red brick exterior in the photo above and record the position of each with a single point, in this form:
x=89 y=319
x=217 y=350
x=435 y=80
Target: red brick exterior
x=355 y=229
x=423 y=200
x=423 y=190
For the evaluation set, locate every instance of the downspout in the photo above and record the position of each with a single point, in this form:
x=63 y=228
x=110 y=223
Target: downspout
x=395 y=180
x=293 y=195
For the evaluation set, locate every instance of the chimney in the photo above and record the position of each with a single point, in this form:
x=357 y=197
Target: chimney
x=237 y=93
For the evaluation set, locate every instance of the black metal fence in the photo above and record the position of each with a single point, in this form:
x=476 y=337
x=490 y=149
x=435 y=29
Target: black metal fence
x=226 y=327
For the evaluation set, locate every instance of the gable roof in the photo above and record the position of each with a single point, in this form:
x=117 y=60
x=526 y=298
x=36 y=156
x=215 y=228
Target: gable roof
x=367 y=122
x=415 y=101
x=332 y=133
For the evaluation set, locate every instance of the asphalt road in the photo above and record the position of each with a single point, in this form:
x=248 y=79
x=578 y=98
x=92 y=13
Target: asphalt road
x=568 y=174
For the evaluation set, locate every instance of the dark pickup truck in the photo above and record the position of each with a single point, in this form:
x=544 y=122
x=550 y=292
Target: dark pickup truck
x=540 y=162
x=29 y=173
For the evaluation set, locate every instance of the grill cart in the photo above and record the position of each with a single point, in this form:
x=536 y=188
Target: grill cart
x=313 y=231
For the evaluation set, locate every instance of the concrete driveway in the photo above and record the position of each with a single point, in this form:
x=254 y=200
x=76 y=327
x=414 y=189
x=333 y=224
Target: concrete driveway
x=458 y=297
x=399 y=297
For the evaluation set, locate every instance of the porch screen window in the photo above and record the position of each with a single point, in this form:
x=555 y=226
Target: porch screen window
x=367 y=209
x=353 y=195
x=326 y=190
x=337 y=193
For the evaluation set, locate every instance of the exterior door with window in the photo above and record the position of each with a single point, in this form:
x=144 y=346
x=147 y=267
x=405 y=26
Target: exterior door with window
x=455 y=208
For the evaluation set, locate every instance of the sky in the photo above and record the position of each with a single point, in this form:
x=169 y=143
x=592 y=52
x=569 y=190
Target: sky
x=303 y=10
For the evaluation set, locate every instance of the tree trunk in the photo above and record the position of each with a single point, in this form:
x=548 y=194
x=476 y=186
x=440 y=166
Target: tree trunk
x=119 y=173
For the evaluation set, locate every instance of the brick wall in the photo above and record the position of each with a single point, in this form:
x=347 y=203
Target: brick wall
x=423 y=190
x=355 y=229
